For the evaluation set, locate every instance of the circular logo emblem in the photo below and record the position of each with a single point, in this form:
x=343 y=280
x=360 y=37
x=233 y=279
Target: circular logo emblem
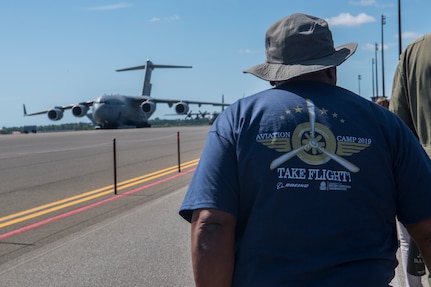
x=313 y=144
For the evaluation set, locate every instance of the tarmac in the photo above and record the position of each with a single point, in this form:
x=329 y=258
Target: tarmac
x=147 y=246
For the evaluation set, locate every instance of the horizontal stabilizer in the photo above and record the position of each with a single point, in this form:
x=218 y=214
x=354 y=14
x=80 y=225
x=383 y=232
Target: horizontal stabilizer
x=151 y=67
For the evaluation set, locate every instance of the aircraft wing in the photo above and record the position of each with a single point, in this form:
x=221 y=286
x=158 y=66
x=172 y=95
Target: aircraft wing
x=34 y=114
x=199 y=103
x=87 y=104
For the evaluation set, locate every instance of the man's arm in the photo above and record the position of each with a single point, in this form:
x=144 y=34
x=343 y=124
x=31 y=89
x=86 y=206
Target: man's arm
x=421 y=233
x=212 y=243
x=399 y=103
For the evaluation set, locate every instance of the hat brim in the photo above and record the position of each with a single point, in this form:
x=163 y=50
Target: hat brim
x=282 y=72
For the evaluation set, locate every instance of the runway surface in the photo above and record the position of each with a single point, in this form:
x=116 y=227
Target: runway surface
x=146 y=246
x=57 y=189
x=51 y=184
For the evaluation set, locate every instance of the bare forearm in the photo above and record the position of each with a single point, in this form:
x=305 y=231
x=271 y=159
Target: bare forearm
x=421 y=233
x=212 y=253
x=212 y=259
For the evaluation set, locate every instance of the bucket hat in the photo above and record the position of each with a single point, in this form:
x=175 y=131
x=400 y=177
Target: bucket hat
x=299 y=44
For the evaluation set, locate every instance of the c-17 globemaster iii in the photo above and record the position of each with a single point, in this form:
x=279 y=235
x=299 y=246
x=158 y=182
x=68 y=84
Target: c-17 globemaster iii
x=120 y=111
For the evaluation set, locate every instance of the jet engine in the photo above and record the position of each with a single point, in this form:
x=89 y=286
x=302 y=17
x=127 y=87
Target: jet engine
x=148 y=107
x=181 y=108
x=79 y=110
x=55 y=114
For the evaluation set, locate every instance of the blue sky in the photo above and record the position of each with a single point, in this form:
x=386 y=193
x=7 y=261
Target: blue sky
x=56 y=53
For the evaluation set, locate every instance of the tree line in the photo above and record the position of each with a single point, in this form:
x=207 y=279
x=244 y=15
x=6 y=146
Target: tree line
x=157 y=122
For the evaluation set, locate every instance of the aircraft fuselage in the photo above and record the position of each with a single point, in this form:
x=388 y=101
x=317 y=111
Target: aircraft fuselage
x=114 y=111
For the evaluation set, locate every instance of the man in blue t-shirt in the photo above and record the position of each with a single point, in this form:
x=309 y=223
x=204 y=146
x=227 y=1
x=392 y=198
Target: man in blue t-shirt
x=285 y=191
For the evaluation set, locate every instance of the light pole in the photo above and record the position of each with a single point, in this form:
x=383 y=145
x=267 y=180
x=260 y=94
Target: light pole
x=400 y=45
x=383 y=58
x=377 y=79
x=372 y=73
x=359 y=84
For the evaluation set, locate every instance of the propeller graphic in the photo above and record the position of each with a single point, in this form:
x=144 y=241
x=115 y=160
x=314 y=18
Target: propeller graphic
x=348 y=165
x=285 y=157
x=313 y=143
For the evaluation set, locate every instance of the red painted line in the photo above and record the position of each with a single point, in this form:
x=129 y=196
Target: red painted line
x=87 y=207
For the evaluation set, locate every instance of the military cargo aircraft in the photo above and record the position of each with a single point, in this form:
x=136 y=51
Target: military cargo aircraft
x=121 y=111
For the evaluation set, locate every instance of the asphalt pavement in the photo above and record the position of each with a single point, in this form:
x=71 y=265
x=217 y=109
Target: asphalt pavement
x=146 y=246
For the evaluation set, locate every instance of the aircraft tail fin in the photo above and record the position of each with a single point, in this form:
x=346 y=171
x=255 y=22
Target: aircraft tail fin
x=25 y=110
x=149 y=67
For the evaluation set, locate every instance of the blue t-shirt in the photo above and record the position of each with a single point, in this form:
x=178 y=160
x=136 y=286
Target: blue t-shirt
x=315 y=176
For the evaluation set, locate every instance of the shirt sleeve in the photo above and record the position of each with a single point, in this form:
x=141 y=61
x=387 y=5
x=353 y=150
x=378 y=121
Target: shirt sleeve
x=412 y=169
x=214 y=184
x=399 y=103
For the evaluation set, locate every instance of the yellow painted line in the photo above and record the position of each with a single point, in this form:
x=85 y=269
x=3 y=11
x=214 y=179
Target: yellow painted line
x=53 y=203
x=70 y=201
x=49 y=210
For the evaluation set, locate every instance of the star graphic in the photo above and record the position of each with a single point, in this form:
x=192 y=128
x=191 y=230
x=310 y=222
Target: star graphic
x=298 y=109
x=323 y=111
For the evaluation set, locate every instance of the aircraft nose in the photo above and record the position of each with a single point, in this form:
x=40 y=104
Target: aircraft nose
x=102 y=114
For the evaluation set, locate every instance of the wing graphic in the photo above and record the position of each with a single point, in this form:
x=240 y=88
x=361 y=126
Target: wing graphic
x=348 y=148
x=279 y=144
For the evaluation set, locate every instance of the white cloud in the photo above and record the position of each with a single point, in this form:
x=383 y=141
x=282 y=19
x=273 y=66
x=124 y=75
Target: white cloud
x=364 y=2
x=171 y=18
x=371 y=3
x=410 y=35
x=369 y=47
x=154 y=19
x=117 y=6
x=246 y=51
x=372 y=47
x=345 y=19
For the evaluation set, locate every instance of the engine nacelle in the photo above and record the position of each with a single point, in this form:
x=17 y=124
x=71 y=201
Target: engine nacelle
x=148 y=107
x=55 y=114
x=79 y=110
x=181 y=108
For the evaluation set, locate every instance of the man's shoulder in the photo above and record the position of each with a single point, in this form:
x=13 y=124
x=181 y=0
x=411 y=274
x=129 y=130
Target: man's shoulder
x=422 y=43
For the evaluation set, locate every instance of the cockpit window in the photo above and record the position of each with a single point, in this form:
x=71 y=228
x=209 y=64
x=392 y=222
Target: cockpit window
x=111 y=102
